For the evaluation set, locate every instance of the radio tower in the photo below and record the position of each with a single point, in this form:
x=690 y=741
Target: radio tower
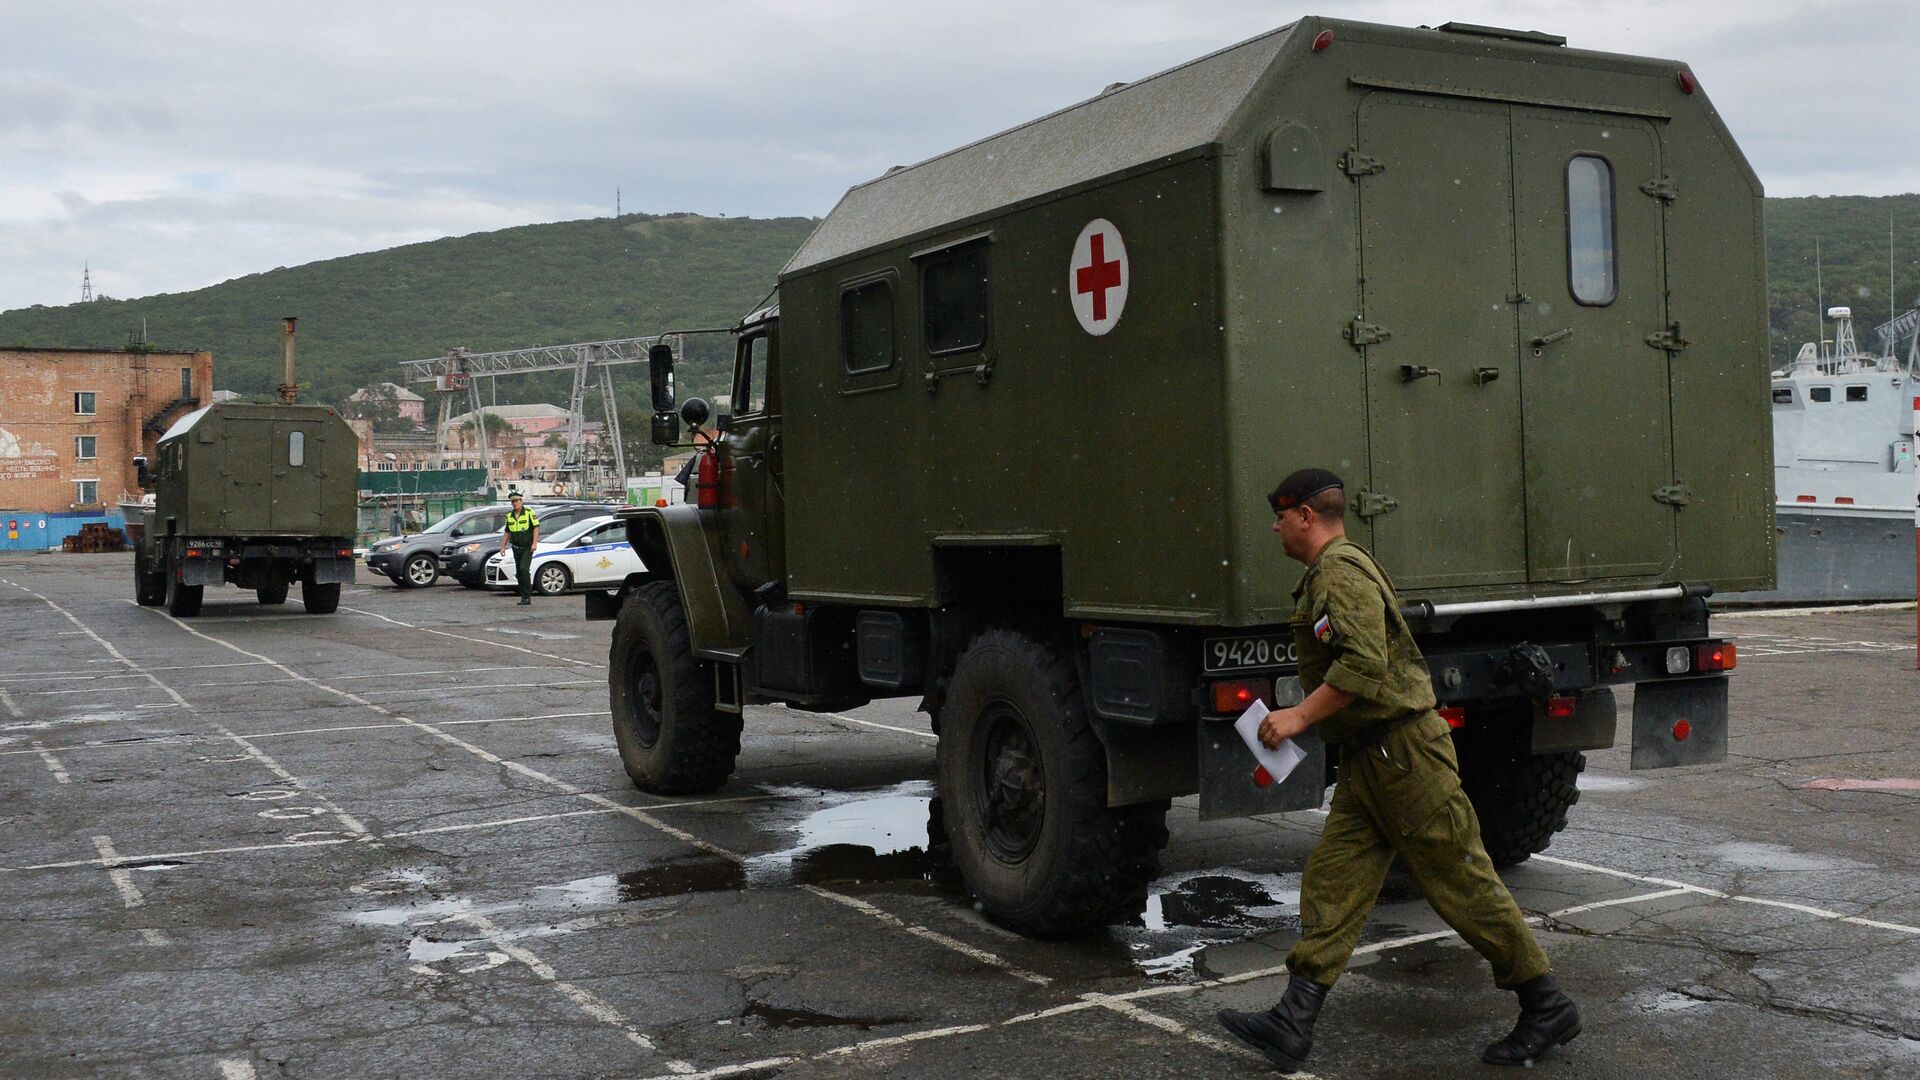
x=86 y=284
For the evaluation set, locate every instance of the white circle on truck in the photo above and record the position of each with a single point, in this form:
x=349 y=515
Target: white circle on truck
x=1098 y=276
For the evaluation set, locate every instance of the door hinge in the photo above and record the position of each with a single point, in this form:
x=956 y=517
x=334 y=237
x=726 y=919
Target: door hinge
x=1360 y=333
x=1663 y=189
x=1669 y=339
x=1369 y=504
x=1675 y=495
x=1356 y=164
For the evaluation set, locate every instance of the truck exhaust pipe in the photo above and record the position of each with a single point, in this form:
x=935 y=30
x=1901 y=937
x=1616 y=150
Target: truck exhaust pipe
x=289 y=390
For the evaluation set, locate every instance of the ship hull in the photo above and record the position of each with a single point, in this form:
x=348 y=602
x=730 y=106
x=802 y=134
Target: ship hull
x=1838 y=557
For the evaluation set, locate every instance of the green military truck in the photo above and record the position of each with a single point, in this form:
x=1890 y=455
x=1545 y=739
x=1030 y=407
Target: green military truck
x=1005 y=440
x=260 y=496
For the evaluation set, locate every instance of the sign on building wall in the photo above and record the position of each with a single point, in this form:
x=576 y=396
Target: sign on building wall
x=25 y=461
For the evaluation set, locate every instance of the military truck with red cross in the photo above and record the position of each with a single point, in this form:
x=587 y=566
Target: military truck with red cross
x=1004 y=443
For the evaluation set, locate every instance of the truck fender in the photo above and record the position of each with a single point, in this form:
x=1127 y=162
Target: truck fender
x=672 y=542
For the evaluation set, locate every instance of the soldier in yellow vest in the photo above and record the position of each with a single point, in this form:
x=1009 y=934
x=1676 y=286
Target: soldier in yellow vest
x=1370 y=693
x=522 y=532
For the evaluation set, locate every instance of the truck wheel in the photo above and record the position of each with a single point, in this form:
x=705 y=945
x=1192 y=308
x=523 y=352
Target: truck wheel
x=420 y=572
x=1521 y=798
x=149 y=589
x=183 y=601
x=672 y=740
x=1023 y=788
x=552 y=580
x=275 y=593
x=318 y=599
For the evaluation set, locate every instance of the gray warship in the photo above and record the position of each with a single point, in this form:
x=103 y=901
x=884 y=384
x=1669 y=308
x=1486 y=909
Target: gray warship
x=1843 y=461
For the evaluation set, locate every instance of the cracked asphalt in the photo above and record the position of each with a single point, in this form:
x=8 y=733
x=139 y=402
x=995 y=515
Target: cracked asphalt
x=396 y=841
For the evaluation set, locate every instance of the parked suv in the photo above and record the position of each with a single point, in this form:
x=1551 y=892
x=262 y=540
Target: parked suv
x=465 y=559
x=413 y=560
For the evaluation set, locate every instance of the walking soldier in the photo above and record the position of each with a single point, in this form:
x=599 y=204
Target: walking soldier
x=1371 y=695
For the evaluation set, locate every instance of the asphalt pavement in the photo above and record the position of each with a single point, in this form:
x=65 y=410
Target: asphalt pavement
x=397 y=841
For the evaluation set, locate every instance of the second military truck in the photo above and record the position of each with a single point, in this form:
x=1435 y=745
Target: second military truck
x=1005 y=440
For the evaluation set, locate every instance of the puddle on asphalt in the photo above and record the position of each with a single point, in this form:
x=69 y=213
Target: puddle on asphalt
x=1758 y=856
x=543 y=635
x=1190 y=912
x=776 y=1017
x=1669 y=1001
x=1591 y=781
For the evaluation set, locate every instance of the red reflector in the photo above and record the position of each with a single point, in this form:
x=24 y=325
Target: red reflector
x=1805 y=498
x=1454 y=715
x=799 y=609
x=1716 y=657
x=1561 y=708
x=346 y=553
x=1234 y=695
x=1322 y=40
x=1261 y=777
x=1681 y=729
x=1686 y=82
x=1843 y=500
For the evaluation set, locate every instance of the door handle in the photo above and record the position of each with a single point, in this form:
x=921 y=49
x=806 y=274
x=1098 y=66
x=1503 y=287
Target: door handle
x=1545 y=340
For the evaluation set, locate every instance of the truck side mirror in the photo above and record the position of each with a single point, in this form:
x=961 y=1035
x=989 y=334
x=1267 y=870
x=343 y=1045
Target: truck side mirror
x=660 y=367
x=140 y=474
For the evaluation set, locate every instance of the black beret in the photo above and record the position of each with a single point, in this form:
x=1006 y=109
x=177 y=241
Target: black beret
x=1301 y=485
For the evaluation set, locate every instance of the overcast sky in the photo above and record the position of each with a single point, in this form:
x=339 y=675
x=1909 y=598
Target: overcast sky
x=174 y=145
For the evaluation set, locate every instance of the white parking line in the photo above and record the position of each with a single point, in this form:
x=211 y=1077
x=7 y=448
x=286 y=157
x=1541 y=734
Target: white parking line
x=883 y=727
x=476 y=640
x=164 y=740
x=237 y=1069
x=6 y=702
x=53 y=763
x=130 y=894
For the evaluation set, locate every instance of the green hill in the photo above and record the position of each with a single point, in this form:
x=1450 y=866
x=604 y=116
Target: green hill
x=535 y=285
x=606 y=278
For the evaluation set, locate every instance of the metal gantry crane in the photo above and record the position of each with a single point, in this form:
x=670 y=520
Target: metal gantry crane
x=590 y=361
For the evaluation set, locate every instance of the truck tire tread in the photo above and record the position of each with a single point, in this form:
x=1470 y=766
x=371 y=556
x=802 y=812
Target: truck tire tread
x=1523 y=801
x=697 y=744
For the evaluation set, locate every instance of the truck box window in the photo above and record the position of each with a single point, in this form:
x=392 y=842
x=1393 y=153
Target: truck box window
x=296 y=448
x=866 y=327
x=953 y=286
x=1590 y=250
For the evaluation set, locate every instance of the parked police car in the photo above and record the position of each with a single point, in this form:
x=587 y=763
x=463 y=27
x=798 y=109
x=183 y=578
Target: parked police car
x=590 y=554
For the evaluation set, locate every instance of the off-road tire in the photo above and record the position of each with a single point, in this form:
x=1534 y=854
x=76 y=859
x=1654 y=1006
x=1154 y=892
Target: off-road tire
x=272 y=594
x=1085 y=865
x=183 y=601
x=552 y=571
x=320 y=599
x=149 y=588
x=1521 y=798
x=671 y=738
x=426 y=575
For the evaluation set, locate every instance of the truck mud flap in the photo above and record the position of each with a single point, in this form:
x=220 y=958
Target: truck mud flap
x=203 y=571
x=1227 y=789
x=1679 y=722
x=333 y=571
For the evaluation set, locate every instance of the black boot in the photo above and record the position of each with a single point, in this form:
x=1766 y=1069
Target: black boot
x=1285 y=1032
x=1547 y=1019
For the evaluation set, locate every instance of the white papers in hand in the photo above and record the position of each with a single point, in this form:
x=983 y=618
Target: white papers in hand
x=1279 y=763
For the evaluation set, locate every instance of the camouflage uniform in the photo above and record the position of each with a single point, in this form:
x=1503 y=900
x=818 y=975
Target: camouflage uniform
x=1399 y=783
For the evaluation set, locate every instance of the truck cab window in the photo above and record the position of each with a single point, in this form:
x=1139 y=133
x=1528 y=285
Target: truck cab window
x=1591 y=272
x=296 y=448
x=866 y=327
x=750 y=382
x=953 y=287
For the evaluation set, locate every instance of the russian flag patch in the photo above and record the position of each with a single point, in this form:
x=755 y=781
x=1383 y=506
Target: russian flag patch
x=1323 y=630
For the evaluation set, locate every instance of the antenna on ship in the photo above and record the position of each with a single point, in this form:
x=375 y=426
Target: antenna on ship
x=86 y=282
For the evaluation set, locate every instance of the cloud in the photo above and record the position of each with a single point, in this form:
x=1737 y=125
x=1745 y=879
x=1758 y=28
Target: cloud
x=172 y=144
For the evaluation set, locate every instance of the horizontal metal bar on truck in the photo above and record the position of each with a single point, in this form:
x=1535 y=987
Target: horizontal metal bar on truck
x=1426 y=609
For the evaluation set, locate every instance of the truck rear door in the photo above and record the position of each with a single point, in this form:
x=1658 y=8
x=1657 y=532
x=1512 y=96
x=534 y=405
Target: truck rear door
x=296 y=487
x=1519 y=421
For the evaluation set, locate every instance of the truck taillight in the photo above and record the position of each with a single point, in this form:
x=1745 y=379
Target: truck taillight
x=1454 y=715
x=1716 y=657
x=1561 y=708
x=1234 y=695
x=192 y=553
x=708 y=478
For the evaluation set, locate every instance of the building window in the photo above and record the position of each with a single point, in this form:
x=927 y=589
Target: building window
x=186 y=382
x=83 y=403
x=866 y=327
x=1590 y=257
x=1856 y=393
x=296 y=448
x=1819 y=393
x=86 y=492
x=953 y=287
x=84 y=445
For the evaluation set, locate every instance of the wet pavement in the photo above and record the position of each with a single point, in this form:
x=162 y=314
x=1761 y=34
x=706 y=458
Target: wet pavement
x=397 y=841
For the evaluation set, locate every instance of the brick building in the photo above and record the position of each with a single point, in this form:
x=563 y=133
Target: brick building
x=71 y=421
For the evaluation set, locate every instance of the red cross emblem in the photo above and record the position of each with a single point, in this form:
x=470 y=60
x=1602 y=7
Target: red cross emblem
x=1098 y=277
